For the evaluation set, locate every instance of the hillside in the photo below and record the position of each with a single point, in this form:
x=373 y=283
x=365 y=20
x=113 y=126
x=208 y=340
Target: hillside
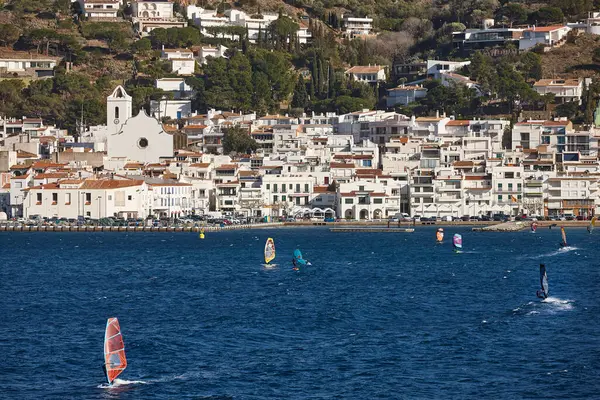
x=278 y=74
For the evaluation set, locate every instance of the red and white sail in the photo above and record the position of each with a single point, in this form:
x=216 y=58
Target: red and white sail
x=115 y=361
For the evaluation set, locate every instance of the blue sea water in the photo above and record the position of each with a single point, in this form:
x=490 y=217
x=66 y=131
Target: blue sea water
x=377 y=315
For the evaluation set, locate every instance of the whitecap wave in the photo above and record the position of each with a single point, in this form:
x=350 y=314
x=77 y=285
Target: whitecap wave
x=121 y=382
x=562 y=250
x=559 y=304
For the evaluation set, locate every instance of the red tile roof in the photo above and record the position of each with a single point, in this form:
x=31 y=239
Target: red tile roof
x=109 y=184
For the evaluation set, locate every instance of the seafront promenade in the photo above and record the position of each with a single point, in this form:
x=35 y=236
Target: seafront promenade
x=480 y=226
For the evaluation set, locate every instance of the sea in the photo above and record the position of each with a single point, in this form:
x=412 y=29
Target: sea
x=376 y=315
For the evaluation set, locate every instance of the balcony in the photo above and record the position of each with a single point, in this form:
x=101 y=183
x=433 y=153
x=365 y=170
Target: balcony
x=449 y=189
x=533 y=183
x=446 y=199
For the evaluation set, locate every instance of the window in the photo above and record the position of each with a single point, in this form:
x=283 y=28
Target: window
x=348 y=201
x=283 y=198
x=268 y=186
x=510 y=187
x=88 y=198
x=110 y=197
x=377 y=201
x=518 y=187
x=283 y=188
x=275 y=188
x=54 y=198
x=499 y=187
x=361 y=188
x=306 y=188
x=499 y=198
x=117 y=112
x=275 y=198
x=39 y=198
x=143 y=143
x=88 y=213
x=67 y=198
x=130 y=197
x=297 y=188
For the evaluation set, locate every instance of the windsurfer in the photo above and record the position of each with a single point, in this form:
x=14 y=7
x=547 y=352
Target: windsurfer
x=543 y=294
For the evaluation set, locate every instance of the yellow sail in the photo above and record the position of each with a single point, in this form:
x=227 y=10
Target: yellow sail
x=593 y=221
x=269 y=250
x=564 y=236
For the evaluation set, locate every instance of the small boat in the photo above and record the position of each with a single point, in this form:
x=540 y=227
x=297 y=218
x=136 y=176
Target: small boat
x=115 y=361
x=457 y=243
x=439 y=235
x=543 y=283
x=533 y=227
x=298 y=260
x=563 y=243
x=269 y=250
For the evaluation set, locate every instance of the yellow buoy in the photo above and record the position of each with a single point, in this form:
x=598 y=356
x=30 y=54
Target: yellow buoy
x=202 y=234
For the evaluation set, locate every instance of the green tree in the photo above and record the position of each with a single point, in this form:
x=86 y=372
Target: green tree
x=531 y=65
x=547 y=16
x=569 y=109
x=482 y=71
x=9 y=34
x=141 y=46
x=11 y=97
x=240 y=78
x=511 y=13
x=238 y=140
x=300 y=99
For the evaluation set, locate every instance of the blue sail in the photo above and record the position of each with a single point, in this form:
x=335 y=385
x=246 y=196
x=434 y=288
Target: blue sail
x=298 y=258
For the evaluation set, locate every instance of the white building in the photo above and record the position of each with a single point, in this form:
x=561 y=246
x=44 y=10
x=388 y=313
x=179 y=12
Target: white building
x=369 y=74
x=151 y=14
x=405 y=95
x=435 y=68
x=27 y=64
x=100 y=9
x=170 y=199
x=593 y=23
x=140 y=138
x=357 y=26
x=361 y=200
x=210 y=22
x=182 y=60
x=176 y=86
x=564 y=90
x=548 y=36
x=215 y=52
x=70 y=198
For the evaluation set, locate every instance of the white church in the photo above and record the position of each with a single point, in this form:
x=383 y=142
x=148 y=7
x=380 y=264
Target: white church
x=140 y=138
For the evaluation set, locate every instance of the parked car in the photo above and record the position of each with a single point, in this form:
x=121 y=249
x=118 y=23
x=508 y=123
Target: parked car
x=416 y=218
x=329 y=219
x=465 y=217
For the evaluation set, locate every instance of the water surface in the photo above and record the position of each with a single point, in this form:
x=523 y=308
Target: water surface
x=378 y=315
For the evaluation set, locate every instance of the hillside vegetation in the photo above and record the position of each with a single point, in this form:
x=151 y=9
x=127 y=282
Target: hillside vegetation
x=277 y=74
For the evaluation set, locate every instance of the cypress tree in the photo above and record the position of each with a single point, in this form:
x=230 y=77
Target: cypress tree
x=300 y=99
x=321 y=88
x=315 y=76
x=331 y=81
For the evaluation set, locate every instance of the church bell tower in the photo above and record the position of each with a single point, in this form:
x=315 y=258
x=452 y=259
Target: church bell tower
x=118 y=109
